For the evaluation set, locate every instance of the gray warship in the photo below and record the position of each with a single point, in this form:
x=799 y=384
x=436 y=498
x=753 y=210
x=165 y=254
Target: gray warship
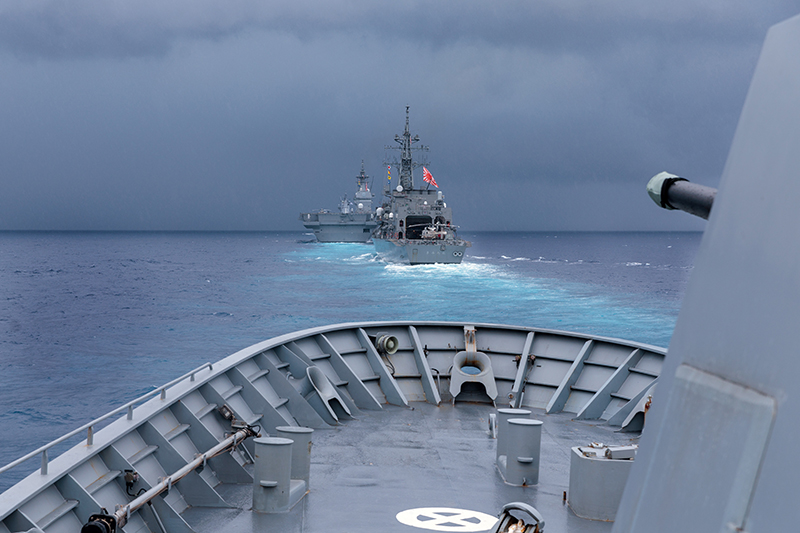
x=354 y=222
x=406 y=434
x=415 y=224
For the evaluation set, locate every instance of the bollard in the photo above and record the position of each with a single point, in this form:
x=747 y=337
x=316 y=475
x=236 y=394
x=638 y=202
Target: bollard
x=502 y=428
x=524 y=445
x=272 y=474
x=301 y=450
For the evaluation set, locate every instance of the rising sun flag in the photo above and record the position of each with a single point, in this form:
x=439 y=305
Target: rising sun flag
x=428 y=177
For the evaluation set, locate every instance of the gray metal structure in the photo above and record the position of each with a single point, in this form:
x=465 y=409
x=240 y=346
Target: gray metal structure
x=415 y=225
x=597 y=479
x=673 y=192
x=405 y=424
x=353 y=223
x=719 y=450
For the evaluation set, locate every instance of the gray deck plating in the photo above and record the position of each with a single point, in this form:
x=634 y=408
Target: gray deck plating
x=364 y=472
x=416 y=454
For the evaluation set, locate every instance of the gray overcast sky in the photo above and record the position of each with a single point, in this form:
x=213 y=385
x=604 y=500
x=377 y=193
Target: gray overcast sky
x=237 y=115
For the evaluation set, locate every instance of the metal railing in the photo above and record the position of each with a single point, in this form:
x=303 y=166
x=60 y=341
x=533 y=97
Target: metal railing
x=89 y=428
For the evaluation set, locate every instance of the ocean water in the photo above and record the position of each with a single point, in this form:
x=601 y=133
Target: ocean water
x=89 y=321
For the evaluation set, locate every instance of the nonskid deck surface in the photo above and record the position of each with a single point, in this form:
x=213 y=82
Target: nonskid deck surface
x=440 y=455
x=367 y=470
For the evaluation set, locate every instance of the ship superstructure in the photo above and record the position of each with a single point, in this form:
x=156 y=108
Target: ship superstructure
x=354 y=220
x=415 y=224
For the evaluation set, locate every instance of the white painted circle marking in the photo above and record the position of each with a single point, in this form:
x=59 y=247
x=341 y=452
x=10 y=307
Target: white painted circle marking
x=446 y=519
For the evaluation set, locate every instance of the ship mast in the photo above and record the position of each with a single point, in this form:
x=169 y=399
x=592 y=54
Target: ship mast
x=361 y=180
x=407 y=165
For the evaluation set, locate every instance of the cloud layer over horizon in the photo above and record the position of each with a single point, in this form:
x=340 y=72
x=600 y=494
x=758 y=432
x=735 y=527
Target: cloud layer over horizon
x=204 y=116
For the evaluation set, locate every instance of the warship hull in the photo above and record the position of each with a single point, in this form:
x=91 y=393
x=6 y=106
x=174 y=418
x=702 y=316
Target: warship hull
x=335 y=227
x=354 y=222
x=415 y=225
x=419 y=252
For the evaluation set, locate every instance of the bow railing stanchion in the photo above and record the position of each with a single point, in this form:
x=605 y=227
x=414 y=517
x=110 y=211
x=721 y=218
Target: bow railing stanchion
x=89 y=428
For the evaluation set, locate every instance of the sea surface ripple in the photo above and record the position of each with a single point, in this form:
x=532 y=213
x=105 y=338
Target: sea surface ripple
x=89 y=321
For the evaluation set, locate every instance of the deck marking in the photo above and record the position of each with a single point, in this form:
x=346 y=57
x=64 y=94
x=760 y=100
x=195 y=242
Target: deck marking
x=446 y=519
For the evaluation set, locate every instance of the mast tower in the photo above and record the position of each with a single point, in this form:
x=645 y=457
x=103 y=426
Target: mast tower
x=407 y=164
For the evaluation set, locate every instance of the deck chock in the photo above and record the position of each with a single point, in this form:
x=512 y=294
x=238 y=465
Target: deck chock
x=518 y=517
x=274 y=488
x=472 y=367
x=327 y=402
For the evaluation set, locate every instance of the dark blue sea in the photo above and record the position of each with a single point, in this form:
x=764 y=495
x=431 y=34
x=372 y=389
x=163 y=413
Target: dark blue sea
x=89 y=321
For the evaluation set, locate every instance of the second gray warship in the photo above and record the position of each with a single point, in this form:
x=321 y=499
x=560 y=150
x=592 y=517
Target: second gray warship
x=415 y=225
x=353 y=223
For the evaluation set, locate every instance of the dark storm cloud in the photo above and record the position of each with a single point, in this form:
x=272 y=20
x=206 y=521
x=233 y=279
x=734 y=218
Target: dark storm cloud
x=238 y=115
x=52 y=28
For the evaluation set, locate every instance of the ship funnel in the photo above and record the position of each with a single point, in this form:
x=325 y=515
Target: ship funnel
x=387 y=344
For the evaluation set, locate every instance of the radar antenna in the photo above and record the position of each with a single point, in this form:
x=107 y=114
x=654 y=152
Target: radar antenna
x=363 y=198
x=407 y=165
x=363 y=182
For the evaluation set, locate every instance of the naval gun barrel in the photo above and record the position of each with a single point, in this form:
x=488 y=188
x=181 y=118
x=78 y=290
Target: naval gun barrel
x=673 y=192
